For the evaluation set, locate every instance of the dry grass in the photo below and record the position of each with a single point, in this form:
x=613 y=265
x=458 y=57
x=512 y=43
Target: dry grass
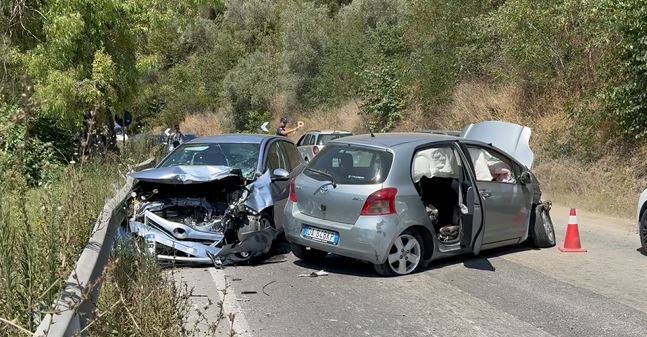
x=610 y=185
x=605 y=186
x=204 y=124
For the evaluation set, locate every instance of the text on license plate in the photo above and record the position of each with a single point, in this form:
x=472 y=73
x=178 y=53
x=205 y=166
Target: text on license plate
x=320 y=235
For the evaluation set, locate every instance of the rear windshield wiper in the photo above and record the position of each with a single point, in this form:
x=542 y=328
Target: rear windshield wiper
x=325 y=174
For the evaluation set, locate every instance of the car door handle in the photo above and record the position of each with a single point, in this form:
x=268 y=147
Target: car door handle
x=485 y=194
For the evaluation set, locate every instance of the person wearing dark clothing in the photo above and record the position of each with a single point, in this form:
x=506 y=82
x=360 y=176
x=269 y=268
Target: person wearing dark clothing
x=282 y=130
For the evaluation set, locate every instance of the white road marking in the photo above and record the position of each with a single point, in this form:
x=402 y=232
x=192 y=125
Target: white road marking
x=230 y=304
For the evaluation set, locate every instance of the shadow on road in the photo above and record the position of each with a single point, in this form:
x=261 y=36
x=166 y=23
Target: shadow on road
x=481 y=262
x=335 y=264
x=341 y=265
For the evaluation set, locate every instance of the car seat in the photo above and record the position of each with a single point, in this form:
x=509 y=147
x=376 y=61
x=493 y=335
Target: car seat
x=442 y=193
x=345 y=164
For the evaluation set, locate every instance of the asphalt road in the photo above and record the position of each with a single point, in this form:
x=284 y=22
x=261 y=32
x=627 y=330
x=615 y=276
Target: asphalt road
x=517 y=291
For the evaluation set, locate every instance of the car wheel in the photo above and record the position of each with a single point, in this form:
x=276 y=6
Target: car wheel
x=543 y=232
x=307 y=254
x=643 y=232
x=404 y=255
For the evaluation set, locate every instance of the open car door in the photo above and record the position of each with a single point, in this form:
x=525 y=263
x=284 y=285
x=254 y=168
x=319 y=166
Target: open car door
x=471 y=209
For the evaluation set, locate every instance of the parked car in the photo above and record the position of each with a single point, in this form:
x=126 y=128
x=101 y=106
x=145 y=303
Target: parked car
x=313 y=141
x=641 y=217
x=215 y=199
x=402 y=200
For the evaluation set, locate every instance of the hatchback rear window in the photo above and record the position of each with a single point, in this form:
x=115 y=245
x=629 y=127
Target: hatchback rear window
x=350 y=165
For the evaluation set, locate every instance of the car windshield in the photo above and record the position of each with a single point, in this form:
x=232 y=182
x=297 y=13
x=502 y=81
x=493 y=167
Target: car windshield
x=239 y=156
x=350 y=165
x=324 y=139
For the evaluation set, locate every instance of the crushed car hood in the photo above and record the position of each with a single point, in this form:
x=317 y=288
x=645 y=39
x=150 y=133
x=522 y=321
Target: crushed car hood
x=184 y=174
x=512 y=138
x=260 y=189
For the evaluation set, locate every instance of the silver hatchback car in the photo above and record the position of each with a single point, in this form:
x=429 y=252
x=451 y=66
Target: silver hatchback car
x=401 y=200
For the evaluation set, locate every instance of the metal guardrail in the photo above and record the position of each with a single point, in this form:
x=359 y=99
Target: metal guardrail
x=76 y=302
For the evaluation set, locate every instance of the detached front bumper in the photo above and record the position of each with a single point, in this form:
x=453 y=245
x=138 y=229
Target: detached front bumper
x=368 y=239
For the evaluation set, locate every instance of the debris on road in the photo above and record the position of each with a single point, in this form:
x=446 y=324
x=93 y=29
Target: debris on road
x=266 y=286
x=248 y=292
x=314 y=274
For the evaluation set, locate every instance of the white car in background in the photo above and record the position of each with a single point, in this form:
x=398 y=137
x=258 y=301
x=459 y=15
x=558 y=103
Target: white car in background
x=641 y=216
x=314 y=140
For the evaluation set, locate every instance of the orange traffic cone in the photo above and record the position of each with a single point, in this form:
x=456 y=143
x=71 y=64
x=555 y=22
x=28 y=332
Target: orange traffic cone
x=572 y=239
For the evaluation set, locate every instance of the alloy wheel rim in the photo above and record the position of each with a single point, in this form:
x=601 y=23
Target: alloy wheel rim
x=405 y=254
x=265 y=223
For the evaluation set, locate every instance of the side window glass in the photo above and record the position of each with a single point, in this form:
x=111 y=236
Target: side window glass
x=311 y=139
x=276 y=158
x=491 y=166
x=292 y=155
x=301 y=140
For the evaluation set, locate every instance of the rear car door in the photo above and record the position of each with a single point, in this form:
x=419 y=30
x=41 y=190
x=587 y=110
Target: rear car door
x=441 y=177
x=303 y=146
x=506 y=202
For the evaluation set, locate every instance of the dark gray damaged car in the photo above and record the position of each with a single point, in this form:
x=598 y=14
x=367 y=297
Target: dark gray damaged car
x=215 y=199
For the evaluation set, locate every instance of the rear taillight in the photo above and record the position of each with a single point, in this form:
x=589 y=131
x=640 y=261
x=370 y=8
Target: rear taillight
x=315 y=150
x=293 y=190
x=381 y=202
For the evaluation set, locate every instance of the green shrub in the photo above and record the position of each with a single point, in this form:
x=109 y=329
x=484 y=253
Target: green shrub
x=249 y=87
x=383 y=99
x=626 y=100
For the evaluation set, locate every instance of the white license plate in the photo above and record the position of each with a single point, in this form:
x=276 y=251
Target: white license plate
x=320 y=235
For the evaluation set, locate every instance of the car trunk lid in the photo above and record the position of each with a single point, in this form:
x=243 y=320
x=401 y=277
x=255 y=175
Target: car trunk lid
x=338 y=181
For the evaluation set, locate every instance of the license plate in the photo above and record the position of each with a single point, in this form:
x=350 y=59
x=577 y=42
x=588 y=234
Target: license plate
x=320 y=235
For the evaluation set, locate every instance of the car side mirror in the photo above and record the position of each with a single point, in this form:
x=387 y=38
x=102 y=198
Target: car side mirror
x=280 y=174
x=525 y=178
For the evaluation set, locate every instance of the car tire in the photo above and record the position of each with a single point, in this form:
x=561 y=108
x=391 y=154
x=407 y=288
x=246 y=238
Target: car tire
x=542 y=230
x=642 y=232
x=404 y=264
x=307 y=254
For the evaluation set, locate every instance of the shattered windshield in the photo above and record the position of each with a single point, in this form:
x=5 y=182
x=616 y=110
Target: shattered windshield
x=238 y=156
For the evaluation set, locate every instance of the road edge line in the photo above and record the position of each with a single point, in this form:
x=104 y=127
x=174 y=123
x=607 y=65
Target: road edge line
x=230 y=304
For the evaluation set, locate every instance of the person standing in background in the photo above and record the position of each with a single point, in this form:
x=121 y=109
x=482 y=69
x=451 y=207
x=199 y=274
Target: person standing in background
x=176 y=138
x=282 y=130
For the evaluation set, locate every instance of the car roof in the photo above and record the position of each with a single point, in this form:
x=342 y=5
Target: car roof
x=327 y=131
x=235 y=138
x=390 y=140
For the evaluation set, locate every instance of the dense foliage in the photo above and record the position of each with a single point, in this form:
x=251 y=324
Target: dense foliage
x=78 y=63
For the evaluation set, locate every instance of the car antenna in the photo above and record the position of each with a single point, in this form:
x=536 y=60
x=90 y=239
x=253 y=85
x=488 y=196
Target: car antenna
x=363 y=114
